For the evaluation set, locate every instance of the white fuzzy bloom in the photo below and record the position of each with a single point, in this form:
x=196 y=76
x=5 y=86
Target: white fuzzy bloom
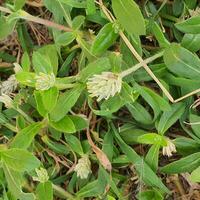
x=104 y=85
x=169 y=149
x=83 y=167
x=44 y=81
x=8 y=86
x=4 y=98
x=17 y=68
x=42 y=175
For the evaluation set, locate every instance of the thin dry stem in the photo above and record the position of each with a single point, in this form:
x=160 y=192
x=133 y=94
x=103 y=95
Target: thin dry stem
x=136 y=55
x=139 y=58
x=139 y=65
x=187 y=95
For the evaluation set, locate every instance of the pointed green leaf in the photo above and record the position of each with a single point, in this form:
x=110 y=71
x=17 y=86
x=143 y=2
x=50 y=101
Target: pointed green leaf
x=129 y=16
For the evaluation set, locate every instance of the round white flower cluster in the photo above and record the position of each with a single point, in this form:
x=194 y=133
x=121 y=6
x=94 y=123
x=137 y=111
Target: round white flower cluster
x=104 y=85
x=44 y=81
x=83 y=167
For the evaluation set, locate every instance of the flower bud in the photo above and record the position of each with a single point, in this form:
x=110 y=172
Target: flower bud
x=44 y=81
x=6 y=100
x=169 y=149
x=83 y=167
x=104 y=85
x=42 y=175
x=8 y=86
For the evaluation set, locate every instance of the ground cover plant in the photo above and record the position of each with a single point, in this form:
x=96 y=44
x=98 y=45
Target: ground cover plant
x=99 y=99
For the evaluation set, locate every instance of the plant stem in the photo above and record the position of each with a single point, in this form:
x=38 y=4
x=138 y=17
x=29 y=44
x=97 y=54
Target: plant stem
x=11 y=127
x=62 y=193
x=139 y=65
x=187 y=95
x=29 y=119
x=28 y=17
x=139 y=58
x=169 y=17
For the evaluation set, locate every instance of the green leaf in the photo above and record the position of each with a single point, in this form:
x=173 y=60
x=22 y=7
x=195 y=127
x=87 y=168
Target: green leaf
x=49 y=52
x=44 y=191
x=65 y=102
x=80 y=123
x=191 y=4
x=111 y=182
x=91 y=189
x=153 y=99
x=91 y=9
x=184 y=83
x=196 y=127
x=49 y=98
x=96 y=67
x=191 y=42
x=58 y=148
x=19 y=4
x=65 y=125
x=143 y=170
x=139 y=113
x=130 y=133
x=94 y=188
x=153 y=156
x=152 y=138
x=6 y=27
x=158 y=33
x=3 y=119
x=128 y=94
x=41 y=63
x=108 y=145
x=182 y=62
x=105 y=38
x=13 y=179
x=129 y=16
x=178 y=7
x=65 y=38
x=108 y=107
x=75 y=3
x=186 y=164
x=25 y=62
x=195 y=175
x=77 y=22
x=24 y=137
x=26 y=78
x=74 y=143
x=157 y=103
x=59 y=10
x=168 y=118
x=186 y=146
x=150 y=195
x=39 y=103
x=19 y=160
x=190 y=25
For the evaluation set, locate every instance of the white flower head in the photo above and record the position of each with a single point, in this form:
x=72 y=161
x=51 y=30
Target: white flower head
x=169 y=149
x=104 y=85
x=8 y=86
x=44 y=81
x=42 y=175
x=4 y=98
x=83 y=167
x=17 y=68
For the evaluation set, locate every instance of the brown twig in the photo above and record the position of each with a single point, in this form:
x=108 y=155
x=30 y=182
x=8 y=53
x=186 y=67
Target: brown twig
x=102 y=157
